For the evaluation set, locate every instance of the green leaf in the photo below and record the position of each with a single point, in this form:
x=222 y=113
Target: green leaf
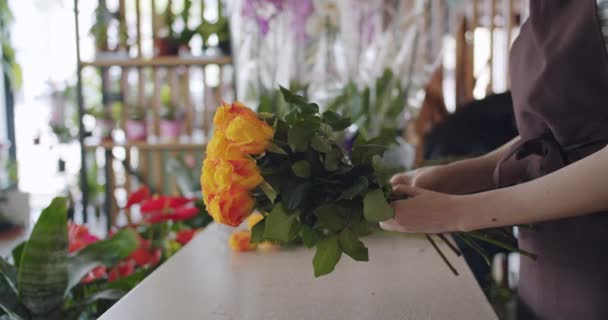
x=320 y=144
x=280 y=226
x=358 y=224
x=9 y=273
x=352 y=246
x=268 y=191
x=273 y=148
x=106 y=252
x=299 y=136
x=294 y=192
x=129 y=282
x=332 y=160
x=43 y=271
x=299 y=101
x=359 y=187
x=17 y=253
x=108 y=294
x=8 y=296
x=308 y=236
x=301 y=169
x=336 y=121
x=332 y=217
x=327 y=256
x=376 y=208
x=257 y=232
x=292 y=116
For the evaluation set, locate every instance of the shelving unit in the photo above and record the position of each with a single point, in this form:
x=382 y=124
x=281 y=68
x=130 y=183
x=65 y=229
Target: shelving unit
x=138 y=81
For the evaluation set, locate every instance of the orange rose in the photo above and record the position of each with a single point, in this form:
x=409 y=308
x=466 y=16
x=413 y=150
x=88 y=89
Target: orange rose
x=220 y=175
x=241 y=241
x=220 y=147
x=241 y=127
x=230 y=207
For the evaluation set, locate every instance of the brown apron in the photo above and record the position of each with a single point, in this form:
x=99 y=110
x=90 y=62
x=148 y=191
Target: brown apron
x=559 y=82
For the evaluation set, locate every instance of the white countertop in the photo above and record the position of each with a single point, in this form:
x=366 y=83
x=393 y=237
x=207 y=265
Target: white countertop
x=405 y=279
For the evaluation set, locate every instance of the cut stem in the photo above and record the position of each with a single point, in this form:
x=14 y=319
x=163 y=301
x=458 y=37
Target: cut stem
x=450 y=244
x=483 y=237
x=447 y=262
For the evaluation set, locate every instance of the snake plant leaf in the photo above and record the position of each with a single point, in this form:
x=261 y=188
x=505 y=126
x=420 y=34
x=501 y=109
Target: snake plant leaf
x=43 y=271
x=106 y=252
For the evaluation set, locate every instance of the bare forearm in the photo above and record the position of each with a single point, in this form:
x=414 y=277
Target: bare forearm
x=578 y=189
x=472 y=175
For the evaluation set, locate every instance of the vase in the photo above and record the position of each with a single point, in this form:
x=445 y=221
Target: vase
x=136 y=130
x=170 y=130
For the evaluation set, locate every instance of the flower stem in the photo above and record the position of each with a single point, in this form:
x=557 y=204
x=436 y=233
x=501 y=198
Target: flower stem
x=447 y=262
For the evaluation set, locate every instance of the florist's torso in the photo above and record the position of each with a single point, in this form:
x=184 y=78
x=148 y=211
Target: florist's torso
x=559 y=81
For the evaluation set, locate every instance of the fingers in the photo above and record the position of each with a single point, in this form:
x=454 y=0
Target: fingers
x=392 y=225
x=407 y=190
x=402 y=178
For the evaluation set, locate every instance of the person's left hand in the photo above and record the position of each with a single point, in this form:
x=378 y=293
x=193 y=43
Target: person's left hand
x=424 y=212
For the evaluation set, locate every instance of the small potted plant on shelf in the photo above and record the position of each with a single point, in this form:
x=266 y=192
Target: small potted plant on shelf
x=135 y=127
x=171 y=123
x=170 y=42
x=104 y=124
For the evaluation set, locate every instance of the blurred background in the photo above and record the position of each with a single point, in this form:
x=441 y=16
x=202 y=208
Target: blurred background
x=100 y=98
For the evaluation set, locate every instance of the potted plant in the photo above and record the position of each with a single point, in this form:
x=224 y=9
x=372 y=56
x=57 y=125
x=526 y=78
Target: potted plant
x=136 y=127
x=99 y=30
x=171 y=42
x=171 y=123
x=104 y=124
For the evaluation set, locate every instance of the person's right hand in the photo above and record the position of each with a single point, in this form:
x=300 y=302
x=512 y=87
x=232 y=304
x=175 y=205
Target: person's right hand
x=431 y=178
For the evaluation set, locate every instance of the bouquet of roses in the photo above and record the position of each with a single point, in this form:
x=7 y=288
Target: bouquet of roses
x=292 y=169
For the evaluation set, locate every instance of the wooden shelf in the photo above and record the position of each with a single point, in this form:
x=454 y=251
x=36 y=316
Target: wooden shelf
x=157 y=146
x=157 y=62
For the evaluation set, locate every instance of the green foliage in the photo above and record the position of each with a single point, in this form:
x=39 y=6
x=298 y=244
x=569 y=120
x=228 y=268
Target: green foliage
x=314 y=190
x=10 y=67
x=375 y=109
x=44 y=282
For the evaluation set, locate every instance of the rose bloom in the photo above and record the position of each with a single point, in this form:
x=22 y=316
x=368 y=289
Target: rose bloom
x=241 y=241
x=230 y=207
x=242 y=127
x=254 y=219
x=220 y=175
x=220 y=148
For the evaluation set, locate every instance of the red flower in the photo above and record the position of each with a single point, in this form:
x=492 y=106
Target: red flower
x=144 y=255
x=184 y=236
x=97 y=273
x=123 y=269
x=138 y=196
x=163 y=203
x=79 y=237
x=178 y=214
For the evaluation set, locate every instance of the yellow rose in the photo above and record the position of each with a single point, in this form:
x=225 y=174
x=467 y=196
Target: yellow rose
x=220 y=174
x=242 y=128
x=230 y=207
x=241 y=241
x=226 y=113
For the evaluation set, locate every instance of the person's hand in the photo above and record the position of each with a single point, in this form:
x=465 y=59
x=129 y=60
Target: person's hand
x=424 y=212
x=427 y=178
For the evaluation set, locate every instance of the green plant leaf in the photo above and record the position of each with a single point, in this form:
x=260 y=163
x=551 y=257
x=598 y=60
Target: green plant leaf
x=336 y=121
x=327 y=256
x=301 y=169
x=308 y=236
x=43 y=272
x=299 y=136
x=9 y=273
x=320 y=144
x=129 y=282
x=257 y=232
x=294 y=192
x=352 y=246
x=332 y=160
x=273 y=148
x=300 y=102
x=269 y=191
x=359 y=187
x=280 y=226
x=108 y=294
x=376 y=208
x=8 y=297
x=106 y=252
x=17 y=253
x=332 y=216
